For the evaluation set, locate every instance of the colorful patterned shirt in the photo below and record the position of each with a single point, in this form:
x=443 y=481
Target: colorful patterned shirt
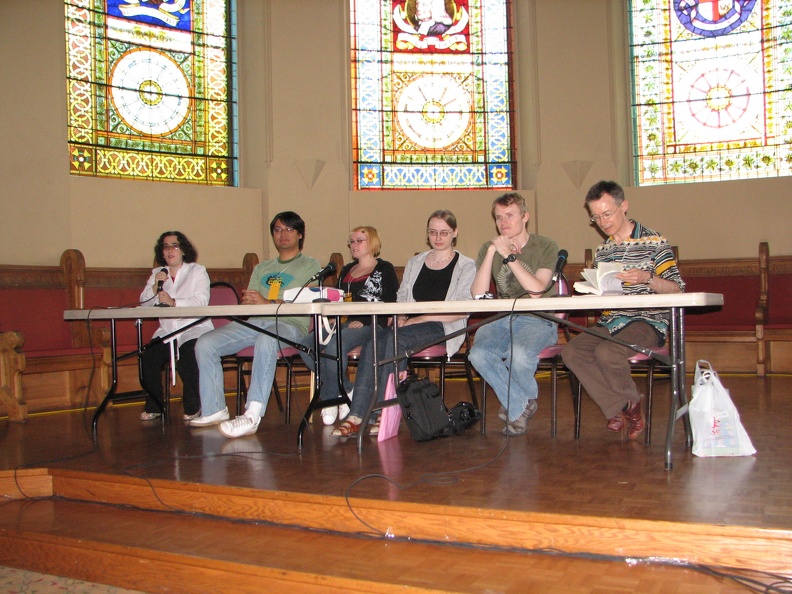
x=647 y=250
x=272 y=277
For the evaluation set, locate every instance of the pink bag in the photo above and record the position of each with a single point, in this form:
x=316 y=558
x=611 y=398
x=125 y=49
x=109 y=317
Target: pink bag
x=390 y=418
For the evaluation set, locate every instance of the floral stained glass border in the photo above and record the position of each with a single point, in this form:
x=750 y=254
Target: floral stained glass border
x=712 y=89
x=431 y=94
x=149 y=90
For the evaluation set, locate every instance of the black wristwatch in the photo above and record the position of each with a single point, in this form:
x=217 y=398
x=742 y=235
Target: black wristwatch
x=510 y=258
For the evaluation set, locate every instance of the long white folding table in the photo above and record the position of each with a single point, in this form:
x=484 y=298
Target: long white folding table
x=676 y=304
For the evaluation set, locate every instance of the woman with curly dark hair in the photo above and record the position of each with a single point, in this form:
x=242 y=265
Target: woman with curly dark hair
x=179 y=281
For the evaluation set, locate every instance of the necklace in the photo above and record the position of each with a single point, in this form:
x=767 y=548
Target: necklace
x=362 y=274
x=362 y=271
x=437 y=260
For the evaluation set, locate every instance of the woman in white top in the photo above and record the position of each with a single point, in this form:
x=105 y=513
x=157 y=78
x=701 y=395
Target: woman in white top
x=179 y=281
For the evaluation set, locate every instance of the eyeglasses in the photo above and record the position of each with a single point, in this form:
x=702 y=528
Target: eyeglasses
x=170 y=246
x=603 y=216
x=436 y=233
x=282 y=229
x=352 y=242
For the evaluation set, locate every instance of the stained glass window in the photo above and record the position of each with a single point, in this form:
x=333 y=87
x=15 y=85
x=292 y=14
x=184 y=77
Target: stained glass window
x=431 y=94
x=149 y=90
x=712 y=89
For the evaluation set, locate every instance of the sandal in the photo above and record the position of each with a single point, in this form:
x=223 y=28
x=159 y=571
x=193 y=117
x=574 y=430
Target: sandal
x=346 y=429
x=374 y=428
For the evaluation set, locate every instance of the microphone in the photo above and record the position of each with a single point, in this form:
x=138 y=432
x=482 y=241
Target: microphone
x=159 y=287
x=326 y=271
x=562 y=258
x=161 y=282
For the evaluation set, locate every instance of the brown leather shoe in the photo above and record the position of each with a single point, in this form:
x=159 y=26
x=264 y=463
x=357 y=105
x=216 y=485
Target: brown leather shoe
x=616 y=423
x=635 y=420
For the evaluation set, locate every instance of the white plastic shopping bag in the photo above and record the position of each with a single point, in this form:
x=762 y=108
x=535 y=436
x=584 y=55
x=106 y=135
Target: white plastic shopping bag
x=717 y=430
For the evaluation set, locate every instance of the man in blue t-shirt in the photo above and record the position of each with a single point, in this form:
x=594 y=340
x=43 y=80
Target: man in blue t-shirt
x=269 y=279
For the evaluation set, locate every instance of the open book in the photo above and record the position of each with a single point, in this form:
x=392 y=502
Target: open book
x=601 y=280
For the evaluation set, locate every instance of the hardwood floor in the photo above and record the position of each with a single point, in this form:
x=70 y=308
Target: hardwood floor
x=169 y=508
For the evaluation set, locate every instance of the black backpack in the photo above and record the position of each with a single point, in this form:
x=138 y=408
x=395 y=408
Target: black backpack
x=426 y=414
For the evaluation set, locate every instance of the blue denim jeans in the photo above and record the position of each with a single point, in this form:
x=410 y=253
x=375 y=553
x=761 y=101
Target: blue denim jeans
x=518 y=338
x=229 y=340
x=351 y=338
x=409 y=337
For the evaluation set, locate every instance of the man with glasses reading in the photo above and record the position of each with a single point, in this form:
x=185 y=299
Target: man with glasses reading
x=505 y=352
x=602 y=366
x=269 y=279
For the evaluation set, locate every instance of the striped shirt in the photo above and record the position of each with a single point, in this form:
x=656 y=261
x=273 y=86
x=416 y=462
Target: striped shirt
x=647 y=250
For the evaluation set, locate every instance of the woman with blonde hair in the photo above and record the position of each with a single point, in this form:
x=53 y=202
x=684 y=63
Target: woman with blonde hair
x=367 y=278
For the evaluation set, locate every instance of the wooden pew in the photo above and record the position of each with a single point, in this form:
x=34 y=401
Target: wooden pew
x=53 y=373
x=12 y=364
x=46 y=363
x=728 y=337
x=776 y=336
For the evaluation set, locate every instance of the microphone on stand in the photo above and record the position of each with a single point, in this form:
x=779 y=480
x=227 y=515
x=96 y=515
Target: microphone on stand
x=159 y=287
x=562 y=258
x=326 y=271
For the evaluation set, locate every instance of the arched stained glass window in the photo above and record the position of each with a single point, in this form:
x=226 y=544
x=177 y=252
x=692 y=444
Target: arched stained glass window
x=431 y=94
x=149 y=89
x=712 y=89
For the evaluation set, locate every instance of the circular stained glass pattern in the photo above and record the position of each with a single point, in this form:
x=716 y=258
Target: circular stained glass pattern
x=719 y=98
x=150 y=92
x=433 y=111
x=711 y=18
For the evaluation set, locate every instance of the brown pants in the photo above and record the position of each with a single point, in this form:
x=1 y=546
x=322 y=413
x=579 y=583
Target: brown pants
x=603 y=368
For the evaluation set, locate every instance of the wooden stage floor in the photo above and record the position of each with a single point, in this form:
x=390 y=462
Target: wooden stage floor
x=597 y=499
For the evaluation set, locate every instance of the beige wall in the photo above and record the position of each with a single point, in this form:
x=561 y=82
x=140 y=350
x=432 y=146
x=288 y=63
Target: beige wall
x=295 y=149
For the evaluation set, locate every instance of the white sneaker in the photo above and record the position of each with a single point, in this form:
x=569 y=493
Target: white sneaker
x=242 y=425
x=343 y=409
x=329 y=415
x=214 y=419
